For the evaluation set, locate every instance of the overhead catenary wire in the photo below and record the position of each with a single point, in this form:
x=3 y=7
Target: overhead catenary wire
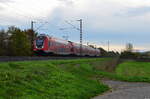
x=41 y=26
x=72 y=25
x=79 y=29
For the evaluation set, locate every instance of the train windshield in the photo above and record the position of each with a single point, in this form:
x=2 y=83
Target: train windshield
x=40 y=41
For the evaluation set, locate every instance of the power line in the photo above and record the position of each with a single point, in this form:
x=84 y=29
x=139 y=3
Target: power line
x=41 y=26
x=80 y=29
x=72 y=25
x=66 y=37
x=66 y=28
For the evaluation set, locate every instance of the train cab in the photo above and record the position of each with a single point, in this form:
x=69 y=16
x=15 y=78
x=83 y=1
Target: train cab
x=40 y=43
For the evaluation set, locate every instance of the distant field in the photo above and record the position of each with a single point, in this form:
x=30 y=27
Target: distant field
x=63 y=79
x=130 y=71
x=141 y=69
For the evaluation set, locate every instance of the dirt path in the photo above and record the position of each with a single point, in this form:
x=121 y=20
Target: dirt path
x=126 y=90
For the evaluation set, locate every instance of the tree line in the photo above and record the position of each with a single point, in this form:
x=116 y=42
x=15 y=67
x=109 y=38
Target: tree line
x=16 y=42
x=105 y=53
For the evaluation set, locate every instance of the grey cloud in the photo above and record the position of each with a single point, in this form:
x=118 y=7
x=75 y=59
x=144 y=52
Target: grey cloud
x=67 y=2
x=131 y=12
x=1 y=8
x=5 y=1
x=139 y=11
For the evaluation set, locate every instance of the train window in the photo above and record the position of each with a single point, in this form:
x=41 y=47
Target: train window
x=40 y=42
x=57 y=44
x=49 y=43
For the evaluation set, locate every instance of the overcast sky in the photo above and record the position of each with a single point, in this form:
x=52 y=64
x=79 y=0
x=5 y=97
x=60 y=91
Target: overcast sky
x=117 y=21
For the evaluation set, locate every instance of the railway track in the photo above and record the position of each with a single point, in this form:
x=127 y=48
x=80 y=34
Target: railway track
x=27 y=58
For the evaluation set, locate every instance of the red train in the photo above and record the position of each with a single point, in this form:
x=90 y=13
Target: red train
x=52 y=45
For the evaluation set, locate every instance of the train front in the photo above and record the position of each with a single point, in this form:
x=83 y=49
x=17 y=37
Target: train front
x=41 y=44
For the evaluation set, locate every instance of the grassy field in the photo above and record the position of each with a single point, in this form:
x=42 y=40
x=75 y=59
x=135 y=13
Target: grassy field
x=66 y=79
x=129 y=71
x=63 y=79
x=141 y=69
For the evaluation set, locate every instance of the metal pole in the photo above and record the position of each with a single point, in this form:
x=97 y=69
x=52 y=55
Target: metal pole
x=80 y=37
x=32 y=22
x=32 y=33
x=80 y=29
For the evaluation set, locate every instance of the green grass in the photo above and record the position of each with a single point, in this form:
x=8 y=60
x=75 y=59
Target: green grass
x=141 y=69
x=63 y=79
x=129 y=71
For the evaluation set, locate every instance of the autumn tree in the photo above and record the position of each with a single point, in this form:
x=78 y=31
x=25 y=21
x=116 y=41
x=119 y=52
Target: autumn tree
x=91 y=46
x=19 y=42
x=31 y=36
x=103 y=52
x=3 y=42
